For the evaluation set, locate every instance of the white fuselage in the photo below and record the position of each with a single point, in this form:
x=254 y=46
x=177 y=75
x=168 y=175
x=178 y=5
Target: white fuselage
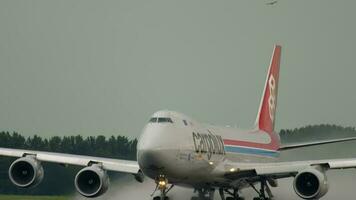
x=186 y=152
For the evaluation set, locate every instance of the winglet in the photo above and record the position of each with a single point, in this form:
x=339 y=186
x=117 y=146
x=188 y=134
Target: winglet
x=267 y=111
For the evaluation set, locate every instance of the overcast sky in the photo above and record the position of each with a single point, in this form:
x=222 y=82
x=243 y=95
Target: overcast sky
x=103 y=67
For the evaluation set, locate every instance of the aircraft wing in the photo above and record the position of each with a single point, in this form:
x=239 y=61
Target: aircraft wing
x=71 y=159
x=314 y=143
x=283 y=169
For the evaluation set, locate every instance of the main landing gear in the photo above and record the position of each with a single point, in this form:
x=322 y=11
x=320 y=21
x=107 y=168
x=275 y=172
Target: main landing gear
x=263 y=190
x=162 y=186
x=264 y=193
x=204 y=194
x=234 y=194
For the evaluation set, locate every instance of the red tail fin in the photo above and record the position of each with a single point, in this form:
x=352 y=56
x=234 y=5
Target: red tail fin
x=267 y=112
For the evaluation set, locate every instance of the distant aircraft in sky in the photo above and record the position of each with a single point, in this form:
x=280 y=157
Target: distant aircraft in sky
x=176 y=150
x=271 y=3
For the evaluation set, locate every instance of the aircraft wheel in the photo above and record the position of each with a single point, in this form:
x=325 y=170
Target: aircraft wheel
x=195 y=198
x=238 y=198
x=204 y=198
x=159 y=198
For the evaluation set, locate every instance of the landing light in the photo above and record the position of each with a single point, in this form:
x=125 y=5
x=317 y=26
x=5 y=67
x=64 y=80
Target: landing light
x=211 y=163
x=162 y=183
x=232 y=170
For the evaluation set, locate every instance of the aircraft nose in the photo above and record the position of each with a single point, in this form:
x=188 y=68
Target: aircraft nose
x=154 y=136
x=157 y=149
x=149 y=159
x=152 y=162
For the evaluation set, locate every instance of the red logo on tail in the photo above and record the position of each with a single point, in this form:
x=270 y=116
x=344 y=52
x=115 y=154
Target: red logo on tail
x=272 y=101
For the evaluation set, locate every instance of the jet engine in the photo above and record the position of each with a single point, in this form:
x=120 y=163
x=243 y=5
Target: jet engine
x=311 y=183
x=92 y=181
x=26 y=172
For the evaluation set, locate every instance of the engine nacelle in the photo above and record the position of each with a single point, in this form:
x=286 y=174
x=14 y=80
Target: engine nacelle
x=92 y=181
x=26 y=172
x=311 y=183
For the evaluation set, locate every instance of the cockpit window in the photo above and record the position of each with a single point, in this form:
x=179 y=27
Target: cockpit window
x=164 y=119
x=160 y=120
x=153 y=119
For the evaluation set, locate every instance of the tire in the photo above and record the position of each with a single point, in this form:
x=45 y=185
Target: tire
x=198 y=198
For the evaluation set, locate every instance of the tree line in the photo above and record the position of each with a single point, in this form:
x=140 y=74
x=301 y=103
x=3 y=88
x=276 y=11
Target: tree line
x=316 y=132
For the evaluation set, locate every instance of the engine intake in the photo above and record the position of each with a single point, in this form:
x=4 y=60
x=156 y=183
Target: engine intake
x=92 y=181
x=311 y=183
x=26 y=172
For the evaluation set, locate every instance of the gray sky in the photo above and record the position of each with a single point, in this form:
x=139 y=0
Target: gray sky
x=103 y=67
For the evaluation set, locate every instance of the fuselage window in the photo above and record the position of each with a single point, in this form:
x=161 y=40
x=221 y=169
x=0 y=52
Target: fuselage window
x=164 y=119
x=153 y=119
x=185 y=122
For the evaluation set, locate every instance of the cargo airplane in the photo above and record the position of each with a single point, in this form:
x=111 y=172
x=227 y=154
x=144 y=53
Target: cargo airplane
x=176 y=150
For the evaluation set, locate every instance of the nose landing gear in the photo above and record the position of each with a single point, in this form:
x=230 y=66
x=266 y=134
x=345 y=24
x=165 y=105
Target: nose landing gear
x=162 y=186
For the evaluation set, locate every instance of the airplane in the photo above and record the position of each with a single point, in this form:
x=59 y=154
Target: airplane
x=271 y=3
x=176 y=150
